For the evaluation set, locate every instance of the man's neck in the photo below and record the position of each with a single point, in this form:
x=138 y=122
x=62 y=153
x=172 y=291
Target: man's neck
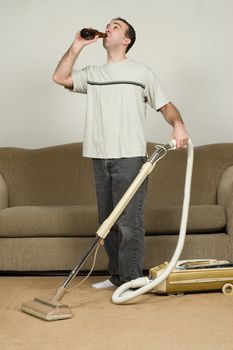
x=113 y=57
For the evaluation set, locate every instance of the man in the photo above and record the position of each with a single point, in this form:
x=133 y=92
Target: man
x=114 y=138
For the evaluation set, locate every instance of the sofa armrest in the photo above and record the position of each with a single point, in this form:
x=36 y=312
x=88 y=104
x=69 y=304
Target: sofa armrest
x=3 y=194
x=225 y=197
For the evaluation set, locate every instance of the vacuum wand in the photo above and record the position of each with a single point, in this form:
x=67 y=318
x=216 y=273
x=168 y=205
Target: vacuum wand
x=104 y=229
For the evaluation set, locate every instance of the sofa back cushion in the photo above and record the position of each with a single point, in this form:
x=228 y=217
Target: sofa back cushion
x=49 y=176
x=59 y=175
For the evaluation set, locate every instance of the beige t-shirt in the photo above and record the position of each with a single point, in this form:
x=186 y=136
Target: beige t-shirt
x=117 y=96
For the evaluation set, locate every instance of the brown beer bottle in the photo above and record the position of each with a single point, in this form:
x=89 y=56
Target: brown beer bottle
x=89 y=33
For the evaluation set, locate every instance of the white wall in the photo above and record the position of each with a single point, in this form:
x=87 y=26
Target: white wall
x=188 y=43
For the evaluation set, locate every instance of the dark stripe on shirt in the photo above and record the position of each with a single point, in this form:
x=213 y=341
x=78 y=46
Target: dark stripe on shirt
x=115 y=82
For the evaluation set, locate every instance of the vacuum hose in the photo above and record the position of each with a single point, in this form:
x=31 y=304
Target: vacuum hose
x=125 y=293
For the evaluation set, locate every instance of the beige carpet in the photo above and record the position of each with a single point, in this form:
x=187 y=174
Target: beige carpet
x=198 y=321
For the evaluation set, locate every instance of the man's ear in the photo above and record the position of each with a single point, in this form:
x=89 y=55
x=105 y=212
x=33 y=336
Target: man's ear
x=127 y=41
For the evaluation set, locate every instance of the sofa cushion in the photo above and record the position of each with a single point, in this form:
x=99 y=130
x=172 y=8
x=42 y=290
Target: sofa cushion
x=49 y=221
x=202 y=218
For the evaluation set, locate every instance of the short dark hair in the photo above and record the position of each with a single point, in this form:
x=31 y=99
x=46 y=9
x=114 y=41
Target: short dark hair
x=130 y=33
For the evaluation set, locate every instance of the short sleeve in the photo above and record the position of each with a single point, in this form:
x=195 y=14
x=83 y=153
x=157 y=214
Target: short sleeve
x=154 y=94
x=79 y=78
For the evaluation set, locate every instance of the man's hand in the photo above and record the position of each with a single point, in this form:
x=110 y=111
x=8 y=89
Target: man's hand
x=80 y=42
x=180 y=134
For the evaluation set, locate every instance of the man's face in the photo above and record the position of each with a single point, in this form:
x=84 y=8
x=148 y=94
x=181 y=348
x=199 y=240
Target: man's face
x=116 y=38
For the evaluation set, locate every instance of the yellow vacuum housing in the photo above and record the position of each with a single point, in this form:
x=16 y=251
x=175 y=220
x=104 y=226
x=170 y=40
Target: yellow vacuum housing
x=195 y=276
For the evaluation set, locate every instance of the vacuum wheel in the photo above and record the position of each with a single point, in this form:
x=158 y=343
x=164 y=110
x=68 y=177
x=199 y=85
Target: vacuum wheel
x=227 y=289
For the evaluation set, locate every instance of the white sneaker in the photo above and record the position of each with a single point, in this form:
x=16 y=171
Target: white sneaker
x=103 y=285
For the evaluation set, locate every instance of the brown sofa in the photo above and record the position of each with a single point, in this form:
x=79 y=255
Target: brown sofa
x=48 y=212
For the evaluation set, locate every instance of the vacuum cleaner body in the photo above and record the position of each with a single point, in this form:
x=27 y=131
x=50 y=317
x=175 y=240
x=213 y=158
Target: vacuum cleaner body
x=195 y=276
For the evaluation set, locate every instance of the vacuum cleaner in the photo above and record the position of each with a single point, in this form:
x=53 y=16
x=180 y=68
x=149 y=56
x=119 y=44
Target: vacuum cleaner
x=52 y=309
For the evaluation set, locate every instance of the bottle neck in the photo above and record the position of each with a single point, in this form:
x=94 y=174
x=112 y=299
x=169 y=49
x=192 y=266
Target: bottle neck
x=101 y=34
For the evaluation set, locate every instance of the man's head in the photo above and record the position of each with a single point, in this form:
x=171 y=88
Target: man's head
x=120 y=33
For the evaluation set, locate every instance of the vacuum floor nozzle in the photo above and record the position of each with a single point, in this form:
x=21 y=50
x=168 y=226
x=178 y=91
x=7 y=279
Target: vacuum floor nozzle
x=46 y=309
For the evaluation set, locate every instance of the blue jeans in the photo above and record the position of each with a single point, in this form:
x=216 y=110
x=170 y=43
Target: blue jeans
x=125 y=242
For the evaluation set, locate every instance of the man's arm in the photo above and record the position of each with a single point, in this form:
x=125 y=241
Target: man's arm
x=173 y=117
x=62 y=74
